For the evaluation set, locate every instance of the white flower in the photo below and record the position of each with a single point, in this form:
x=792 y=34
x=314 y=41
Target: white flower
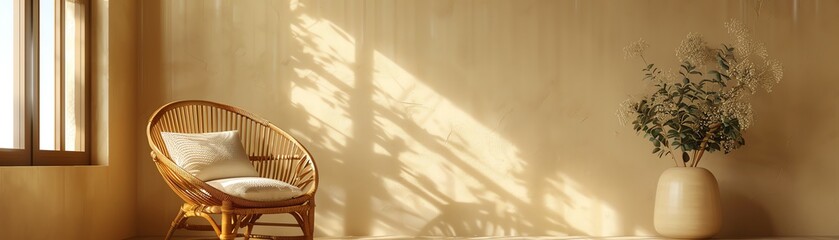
x=773 y=74
x=625 y=112
x=746 y=73
x=744 y=45
x=736 y=109
x=694 y=50
x=747 y=70
x=635 y=49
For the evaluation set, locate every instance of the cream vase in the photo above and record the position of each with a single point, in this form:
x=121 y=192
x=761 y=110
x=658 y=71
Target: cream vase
x=687 y=203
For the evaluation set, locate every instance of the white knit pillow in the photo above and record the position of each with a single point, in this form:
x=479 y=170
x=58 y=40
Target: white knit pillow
x=209 y=156
x=256 y=188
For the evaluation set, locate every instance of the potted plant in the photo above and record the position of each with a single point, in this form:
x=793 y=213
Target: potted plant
x=703 y=107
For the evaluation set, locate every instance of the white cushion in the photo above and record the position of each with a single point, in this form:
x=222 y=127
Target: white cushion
x=257 y=188
x=209 y=156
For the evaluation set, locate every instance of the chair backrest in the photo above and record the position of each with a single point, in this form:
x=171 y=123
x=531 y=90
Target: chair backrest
x=272 y=151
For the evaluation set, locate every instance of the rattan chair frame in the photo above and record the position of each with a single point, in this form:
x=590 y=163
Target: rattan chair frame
x=273 y=152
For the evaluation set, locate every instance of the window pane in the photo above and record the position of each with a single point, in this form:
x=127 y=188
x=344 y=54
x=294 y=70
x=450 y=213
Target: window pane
x=11 y=111
x=7 y=77
x=47 y=75
x=73 y=77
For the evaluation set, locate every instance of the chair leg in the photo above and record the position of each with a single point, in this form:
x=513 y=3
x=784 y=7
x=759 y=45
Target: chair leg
x=306 y=220
x=310 y=222
x=175 y=224
x=251 y=220
x=248 y=232
x=228 y=222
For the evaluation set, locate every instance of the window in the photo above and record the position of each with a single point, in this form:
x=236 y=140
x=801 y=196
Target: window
x=44 y=105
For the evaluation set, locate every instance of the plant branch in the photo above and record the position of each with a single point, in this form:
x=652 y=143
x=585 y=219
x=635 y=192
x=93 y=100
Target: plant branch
x=669 y=149
x=693 y=158
x=714 y=127
x=679 y=135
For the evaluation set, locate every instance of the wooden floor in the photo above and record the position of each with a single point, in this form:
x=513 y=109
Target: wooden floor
x=513 y=238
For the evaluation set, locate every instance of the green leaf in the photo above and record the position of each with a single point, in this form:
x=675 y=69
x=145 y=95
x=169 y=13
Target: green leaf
x=685 y=157
x=725 y=76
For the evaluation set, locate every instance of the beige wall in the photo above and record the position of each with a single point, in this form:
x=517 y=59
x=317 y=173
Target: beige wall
x=477 y=118
x=87 y=202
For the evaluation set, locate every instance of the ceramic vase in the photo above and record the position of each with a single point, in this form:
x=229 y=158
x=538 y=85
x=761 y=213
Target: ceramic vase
x=687 y=203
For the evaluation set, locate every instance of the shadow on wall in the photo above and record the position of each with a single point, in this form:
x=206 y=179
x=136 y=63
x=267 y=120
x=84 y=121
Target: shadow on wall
x=397 y=158
x=743 y=217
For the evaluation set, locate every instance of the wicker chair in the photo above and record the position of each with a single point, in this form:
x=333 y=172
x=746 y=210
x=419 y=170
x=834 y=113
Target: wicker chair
x=274 y=154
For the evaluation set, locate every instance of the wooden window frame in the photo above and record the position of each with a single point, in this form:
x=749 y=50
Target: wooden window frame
x=27 y=17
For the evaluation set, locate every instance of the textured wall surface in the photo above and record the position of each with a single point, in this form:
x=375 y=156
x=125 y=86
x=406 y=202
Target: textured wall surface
x=476 y=118
x=87 y=202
